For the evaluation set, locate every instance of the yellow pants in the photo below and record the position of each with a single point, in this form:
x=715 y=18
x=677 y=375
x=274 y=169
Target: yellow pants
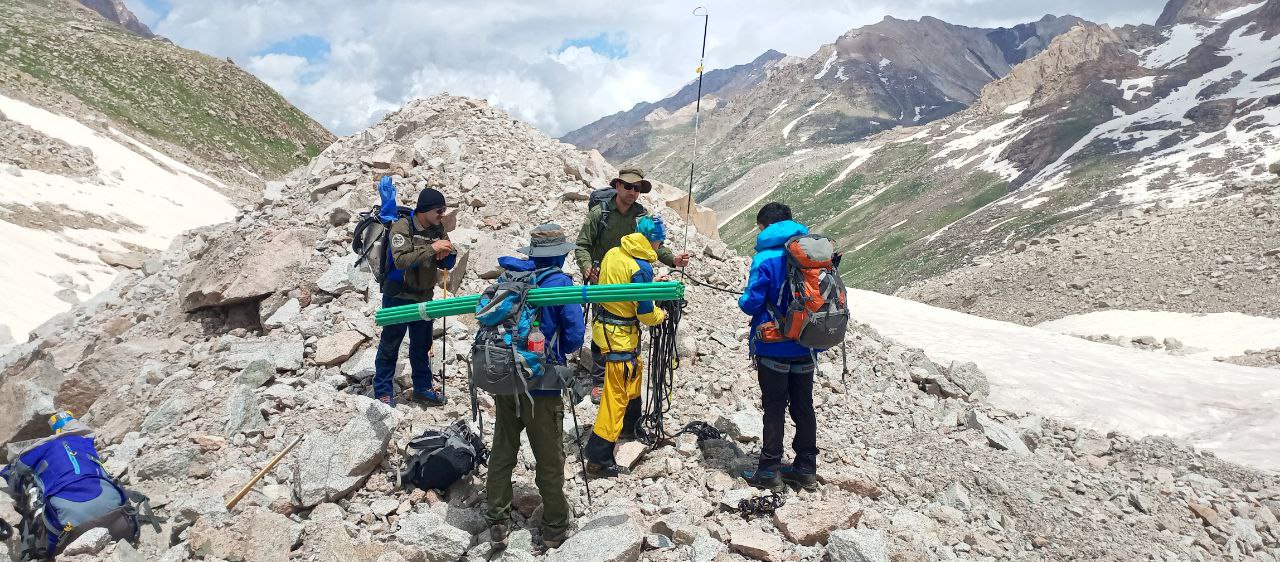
x=621 y=386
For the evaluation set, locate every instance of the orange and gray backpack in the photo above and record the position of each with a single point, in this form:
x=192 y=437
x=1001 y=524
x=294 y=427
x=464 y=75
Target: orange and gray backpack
x=818 y=313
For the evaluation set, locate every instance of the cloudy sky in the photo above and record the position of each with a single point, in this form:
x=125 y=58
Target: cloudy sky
x=554 y=63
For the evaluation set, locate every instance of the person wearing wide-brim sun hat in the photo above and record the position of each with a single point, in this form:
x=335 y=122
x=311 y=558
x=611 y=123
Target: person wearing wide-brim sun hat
x=540 y=414
x=603 y=229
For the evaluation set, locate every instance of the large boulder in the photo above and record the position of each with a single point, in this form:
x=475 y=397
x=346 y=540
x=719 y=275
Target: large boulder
x=235 y=269
x=330 y=466
x=858 y=545
x=614 y=535
x=439 y=541
x=998 y=435
x=257 y=535
x=809 y=523
x=337 y=348
x=283 y=353
x=244 y=415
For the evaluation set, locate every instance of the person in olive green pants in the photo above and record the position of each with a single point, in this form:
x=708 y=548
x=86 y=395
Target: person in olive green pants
x=546 y=418
x=540 y=414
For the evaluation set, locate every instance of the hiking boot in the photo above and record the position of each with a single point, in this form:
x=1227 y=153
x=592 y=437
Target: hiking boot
x=763 y=479
x=498 y=533
x=595 y=394
x=389 y=401
x=802 y=480
x=554 y=540
x=429 y=397
x=608 y=470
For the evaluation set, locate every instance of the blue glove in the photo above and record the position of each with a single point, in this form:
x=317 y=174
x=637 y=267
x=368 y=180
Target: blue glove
x=387 y=190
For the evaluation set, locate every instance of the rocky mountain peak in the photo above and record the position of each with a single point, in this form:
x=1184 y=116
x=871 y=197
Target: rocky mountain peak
x=115 y=11
x=1084 y=42
x=1197 y=11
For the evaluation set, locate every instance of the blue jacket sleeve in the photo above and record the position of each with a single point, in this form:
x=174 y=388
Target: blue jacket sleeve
x=759 y=285
x=569 y=319
x=448 y=261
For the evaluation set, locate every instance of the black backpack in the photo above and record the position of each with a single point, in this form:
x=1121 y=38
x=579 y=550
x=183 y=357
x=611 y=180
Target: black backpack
x=371 y=242
x=438 y=458
x=598 y=199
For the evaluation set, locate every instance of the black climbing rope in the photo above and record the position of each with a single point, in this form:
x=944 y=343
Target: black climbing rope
x=664 y=359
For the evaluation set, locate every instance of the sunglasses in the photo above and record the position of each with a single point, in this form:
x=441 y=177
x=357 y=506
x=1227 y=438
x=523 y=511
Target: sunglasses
x=632 y=186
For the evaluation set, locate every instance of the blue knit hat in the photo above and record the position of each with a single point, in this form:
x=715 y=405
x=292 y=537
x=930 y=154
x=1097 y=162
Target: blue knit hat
x=652 y=228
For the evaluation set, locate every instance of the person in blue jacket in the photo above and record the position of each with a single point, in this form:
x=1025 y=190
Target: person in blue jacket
x=784 y=368
x=543 y=418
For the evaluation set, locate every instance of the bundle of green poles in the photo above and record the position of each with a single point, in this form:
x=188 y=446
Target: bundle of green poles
x=550 y=296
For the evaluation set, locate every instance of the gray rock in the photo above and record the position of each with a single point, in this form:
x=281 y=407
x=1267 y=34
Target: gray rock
x=343 y=276
x=439 y=541
x=858 y=545
x=285 y=353
x=257 y=373
x=164 y=464
x=658 y=542
x=123 y=454
x=91 y=542
x=745 y=425
x=998 y=435
x=956 y=496
x=1091 y=446
x=969 y=378
x=706 y=549
x=166 y=415
x=332 y=182
x=360 y=365
x=327 y=467
x=125 y=552
x=244 y=414
x=288 y=313
x=1173 y=344
x=611 y=536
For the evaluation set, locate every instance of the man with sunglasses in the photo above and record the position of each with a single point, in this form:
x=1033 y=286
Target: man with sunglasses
x=419 y=249
x=603 y=230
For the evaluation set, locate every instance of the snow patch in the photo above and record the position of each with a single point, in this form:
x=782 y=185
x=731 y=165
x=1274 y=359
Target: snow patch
x=859 y=156
x=786 y=131
x=1180 y=40
x=777 y=108
x=826 y=65
x=1225 y=408
x=1017 y=108
x=1205 y=336
x=163 y=200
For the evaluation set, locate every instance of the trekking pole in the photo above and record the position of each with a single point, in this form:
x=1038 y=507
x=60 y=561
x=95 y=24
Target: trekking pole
x=697 y=114
x=270 y=465
x=444 y=343
x=582 y=454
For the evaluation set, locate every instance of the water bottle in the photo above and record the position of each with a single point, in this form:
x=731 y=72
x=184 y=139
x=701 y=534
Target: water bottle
x=537 y=342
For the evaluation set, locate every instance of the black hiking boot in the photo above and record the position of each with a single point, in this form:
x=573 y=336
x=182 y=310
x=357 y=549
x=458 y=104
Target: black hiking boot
x=800 y=480
x=498 y=533
x=763 y=479
x=430 y=398
x=607 y=470
x=554 y=540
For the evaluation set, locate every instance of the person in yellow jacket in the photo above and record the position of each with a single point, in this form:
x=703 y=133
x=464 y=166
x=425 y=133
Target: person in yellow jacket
x=615 y=328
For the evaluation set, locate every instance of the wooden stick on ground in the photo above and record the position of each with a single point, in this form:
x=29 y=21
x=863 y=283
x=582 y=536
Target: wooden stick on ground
x=274 y=461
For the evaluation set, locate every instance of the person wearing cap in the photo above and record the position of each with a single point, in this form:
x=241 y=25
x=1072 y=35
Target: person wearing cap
x=420 y=248
x=603 y=230
x=615 y=330
x=541 y=414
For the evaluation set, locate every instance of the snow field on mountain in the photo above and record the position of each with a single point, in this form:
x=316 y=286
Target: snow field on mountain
x=145 y=197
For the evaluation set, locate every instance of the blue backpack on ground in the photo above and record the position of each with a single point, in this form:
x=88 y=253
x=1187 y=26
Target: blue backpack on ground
x=61 y=490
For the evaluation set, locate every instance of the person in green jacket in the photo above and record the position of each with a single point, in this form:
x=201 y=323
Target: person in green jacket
x=602 y=231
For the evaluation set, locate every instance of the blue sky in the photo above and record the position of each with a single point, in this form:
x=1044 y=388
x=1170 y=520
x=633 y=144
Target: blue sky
x=558 y=64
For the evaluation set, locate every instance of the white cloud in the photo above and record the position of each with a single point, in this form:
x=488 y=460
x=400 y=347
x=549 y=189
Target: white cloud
x=386 y=52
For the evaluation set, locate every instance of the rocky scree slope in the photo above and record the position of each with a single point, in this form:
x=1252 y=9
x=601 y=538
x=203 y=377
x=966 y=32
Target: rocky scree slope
x=116 y=11
x=204 y=110
x=205 y=363
x=1222 y=255
x=1103 y=120
x=876 y=77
